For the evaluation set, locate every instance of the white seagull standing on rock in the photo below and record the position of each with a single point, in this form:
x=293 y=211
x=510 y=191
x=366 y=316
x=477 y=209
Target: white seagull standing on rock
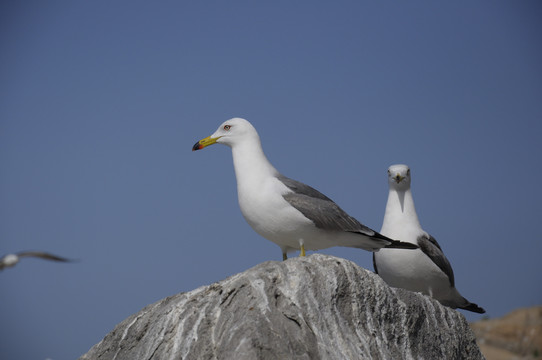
x=424 y=270
x=289 y=213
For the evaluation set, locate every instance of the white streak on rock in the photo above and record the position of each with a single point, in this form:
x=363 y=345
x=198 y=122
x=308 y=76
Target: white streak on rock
x=318 y=307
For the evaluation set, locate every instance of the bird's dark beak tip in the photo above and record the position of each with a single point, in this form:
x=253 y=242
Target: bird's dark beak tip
x=196 y=146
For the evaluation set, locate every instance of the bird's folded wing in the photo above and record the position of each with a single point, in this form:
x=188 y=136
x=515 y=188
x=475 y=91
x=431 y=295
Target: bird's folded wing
x=320 y=209
x=431 y=248
x=326 y=215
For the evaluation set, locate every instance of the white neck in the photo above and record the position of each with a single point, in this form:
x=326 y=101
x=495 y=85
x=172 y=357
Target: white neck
x=400 y=212
x=251 y=164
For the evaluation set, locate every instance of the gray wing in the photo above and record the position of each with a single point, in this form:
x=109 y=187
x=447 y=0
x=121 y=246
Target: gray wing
x=43 y=255
x=322 y=210
x=302 y=189
x=431 y=248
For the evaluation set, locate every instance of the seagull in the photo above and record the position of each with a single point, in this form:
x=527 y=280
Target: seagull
x=11 y=260
x=287 y=212
x=425 y=269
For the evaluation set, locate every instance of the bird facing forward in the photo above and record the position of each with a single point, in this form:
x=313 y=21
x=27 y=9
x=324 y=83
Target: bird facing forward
x=424 y=270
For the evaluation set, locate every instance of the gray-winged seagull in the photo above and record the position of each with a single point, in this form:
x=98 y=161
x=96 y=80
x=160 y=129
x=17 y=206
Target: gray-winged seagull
x=424 y=270
x=289 y=213
x=11 y=260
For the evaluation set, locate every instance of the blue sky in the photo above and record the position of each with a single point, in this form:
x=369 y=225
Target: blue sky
x=101 y=103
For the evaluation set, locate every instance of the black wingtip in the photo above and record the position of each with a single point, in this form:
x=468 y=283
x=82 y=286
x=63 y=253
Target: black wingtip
x=394 y=244
x=401 y=245
x=474 y=308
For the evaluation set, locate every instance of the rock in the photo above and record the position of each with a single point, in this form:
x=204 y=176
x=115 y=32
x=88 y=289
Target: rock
x=318 y=307
x=517 y=335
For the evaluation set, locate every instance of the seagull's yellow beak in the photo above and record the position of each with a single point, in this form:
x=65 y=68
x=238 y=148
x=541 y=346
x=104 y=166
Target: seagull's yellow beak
x=205 y=142
x=398 y=178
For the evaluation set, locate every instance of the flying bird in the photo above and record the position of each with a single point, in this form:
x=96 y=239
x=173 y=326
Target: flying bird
x=287 y=212
x=424 y=270
x=11 y=260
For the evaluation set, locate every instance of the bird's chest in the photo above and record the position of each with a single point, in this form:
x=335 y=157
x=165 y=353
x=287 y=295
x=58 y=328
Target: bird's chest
x=264 y=208
x=401 y=228
x=410 y=269
x=400 y=263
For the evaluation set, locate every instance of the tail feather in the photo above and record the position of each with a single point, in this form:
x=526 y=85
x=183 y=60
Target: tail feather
x=473 y=307
x=394 y=244
x=401 y=245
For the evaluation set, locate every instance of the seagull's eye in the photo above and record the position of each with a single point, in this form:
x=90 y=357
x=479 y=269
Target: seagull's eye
x=408 y=172
x=389 y=173
x=227 y=127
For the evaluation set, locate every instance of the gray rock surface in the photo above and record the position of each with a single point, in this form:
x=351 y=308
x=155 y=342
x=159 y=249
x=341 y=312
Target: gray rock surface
x=318 y=307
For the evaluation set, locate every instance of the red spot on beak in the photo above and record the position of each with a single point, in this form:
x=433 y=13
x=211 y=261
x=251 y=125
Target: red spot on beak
x=197 y=146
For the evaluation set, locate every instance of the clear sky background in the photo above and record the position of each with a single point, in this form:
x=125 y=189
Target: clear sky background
x=101 y=102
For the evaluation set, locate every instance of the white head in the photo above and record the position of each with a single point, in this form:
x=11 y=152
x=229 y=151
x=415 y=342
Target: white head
x=399 y=177
x=231 y=132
